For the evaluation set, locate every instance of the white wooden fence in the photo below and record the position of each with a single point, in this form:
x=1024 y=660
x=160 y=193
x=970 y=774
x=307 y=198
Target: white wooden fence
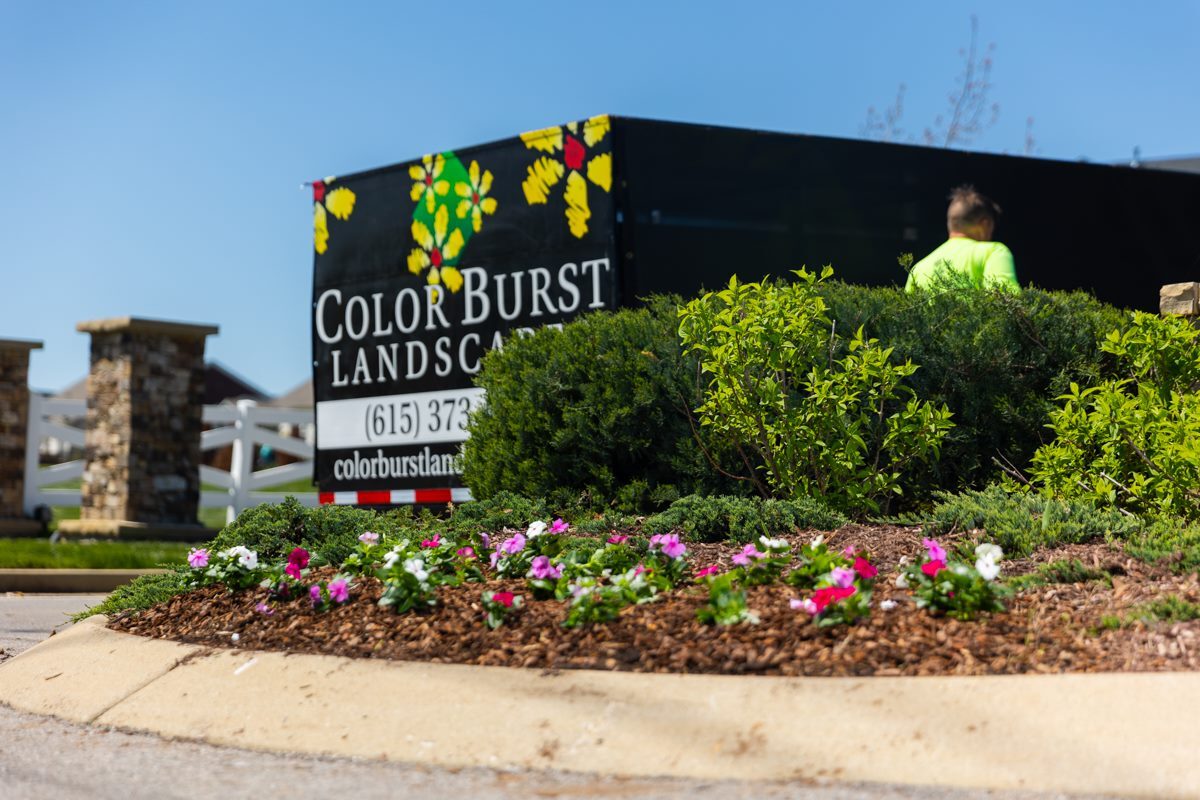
x=239 y=425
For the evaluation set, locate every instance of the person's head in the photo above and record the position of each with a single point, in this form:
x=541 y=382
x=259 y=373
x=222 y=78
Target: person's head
x=971 y=214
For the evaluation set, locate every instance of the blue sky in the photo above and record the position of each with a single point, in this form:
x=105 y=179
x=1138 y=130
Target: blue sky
x=154 y=152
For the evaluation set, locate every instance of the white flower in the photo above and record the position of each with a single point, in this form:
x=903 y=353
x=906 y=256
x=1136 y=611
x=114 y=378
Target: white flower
x=246 y=557
x=416 y=568
x=773 y=544
x=989 y=551
x=960 y=569
x=817 y=542
x=391 y=557
x=903 y=560
x=987 y=569
x=901 y=581
x=887 y=605
x=536 y=528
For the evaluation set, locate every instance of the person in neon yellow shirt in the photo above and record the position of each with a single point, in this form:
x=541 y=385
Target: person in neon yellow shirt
x=969 y=255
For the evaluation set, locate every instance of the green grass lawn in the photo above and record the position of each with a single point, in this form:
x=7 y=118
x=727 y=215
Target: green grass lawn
x=42 y=554
x=213 y=518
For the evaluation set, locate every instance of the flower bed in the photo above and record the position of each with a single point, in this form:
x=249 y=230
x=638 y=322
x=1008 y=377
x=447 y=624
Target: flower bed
x=798 y=604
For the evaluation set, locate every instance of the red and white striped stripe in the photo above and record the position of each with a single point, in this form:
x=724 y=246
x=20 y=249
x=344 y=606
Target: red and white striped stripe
x=395 y=497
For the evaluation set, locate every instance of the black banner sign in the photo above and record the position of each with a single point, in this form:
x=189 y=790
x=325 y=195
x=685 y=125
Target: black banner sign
x=421 y=268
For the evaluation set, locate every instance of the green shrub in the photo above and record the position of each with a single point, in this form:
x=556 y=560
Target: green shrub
x=742 y=519
x=598 y=410
x=142 y=592
x=994 y=358
x=1133 y=442
x=1171 y=608
x=844 y=429
x=501 y=510
x=329 y=532
x=1022 y=522
x=1061 y=571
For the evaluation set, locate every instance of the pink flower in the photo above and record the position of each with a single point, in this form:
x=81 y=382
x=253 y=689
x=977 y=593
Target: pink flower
x=864 y=568
x=806 y=605
x=369 y=538
x=514 y=545
x=559 y=526
x=264 y=609
x=292 y=571
x=465 y=552
x=654 y=540
x=936 y=553
x=711 y=569
x=436 y=541
x=849 y=551
x=618 y=538
x=339 y=590
x=672 y=547
x=748 y=552
x=314 y=594
x=503 y=598
x=830 y=594
x=198 y=559
x=494 y=557
x=299 y=557
x=485 y=540
x=842 y=577
x=932 y=568
x=542 y=569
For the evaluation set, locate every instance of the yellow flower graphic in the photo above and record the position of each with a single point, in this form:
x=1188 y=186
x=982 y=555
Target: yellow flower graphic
x=434 y=248
x=427 y=180
x=569 y=156
x=339 y=202
x=320 y=228
x=474 y=196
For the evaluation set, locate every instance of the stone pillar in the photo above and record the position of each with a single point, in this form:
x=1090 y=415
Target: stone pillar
x=1179 y=298
x=141 y=474
x=14 y=428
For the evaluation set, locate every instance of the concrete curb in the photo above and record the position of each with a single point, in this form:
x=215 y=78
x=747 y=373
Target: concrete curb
x=68 y=581
x=1134 y=734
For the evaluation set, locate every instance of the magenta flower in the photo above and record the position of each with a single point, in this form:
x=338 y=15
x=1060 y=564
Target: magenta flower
x=842 y=578
x=486 y=540
x=292 y=571
x=542 y=569
x=864 y=568
x=639 y=569
x=436 y=541
x=514 y=545
x=711 y=569
x=748 y=552
x=932 y=568
x=314 y=594
x=672 y=547
x=264 y=609
x=465 y=552
x=936 y=553
x=503 y=598
x=369 y=538
x=618 y=538
x=559 y=526
x=198 y=559
x=339 y=590
x=299 y=557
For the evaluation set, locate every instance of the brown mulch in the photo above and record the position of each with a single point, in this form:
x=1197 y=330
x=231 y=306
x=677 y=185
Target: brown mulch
x=1049 y=628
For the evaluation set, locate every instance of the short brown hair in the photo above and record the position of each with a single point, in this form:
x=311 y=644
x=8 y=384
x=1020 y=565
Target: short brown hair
x=969 y=207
